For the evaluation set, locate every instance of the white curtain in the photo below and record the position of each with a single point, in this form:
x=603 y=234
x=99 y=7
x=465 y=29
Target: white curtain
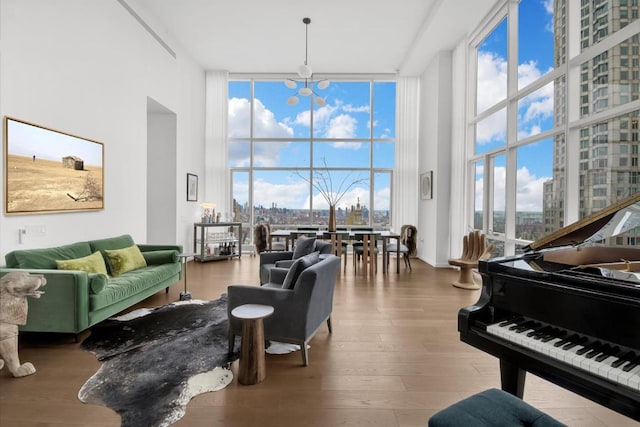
x=217 y=181
x=458 y=150
x=405 y=180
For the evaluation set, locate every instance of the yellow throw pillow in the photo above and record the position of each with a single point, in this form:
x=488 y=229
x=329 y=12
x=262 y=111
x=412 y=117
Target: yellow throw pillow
x=93 y=263
x=123 y=260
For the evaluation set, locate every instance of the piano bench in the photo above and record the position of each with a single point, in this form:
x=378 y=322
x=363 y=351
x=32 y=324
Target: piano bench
x=492 y=408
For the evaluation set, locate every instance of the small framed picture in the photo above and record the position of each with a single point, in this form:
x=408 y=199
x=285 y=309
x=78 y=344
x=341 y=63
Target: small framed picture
x=426 y=185
x=192 y=187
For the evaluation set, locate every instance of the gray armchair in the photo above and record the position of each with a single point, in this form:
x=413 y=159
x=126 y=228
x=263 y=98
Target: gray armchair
x=298 y=312
x=284 y=259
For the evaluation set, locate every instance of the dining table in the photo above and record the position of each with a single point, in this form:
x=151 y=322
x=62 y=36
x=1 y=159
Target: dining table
x=289 y=235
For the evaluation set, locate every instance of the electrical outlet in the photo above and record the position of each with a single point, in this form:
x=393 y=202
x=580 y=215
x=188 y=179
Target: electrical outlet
x=36 y=230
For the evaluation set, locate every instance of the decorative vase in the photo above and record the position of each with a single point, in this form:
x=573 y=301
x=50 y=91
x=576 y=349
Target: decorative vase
x=332 y=218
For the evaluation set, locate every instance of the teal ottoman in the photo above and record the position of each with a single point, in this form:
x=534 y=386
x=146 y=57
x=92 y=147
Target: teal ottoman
x=492 y=408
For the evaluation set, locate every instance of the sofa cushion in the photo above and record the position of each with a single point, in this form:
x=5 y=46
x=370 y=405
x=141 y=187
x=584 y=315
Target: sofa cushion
x=298 y=267
x=132 y=283
x=124 y=260
x=111 y=243
x=46 y=258
x=304 y=246
x=93 y=263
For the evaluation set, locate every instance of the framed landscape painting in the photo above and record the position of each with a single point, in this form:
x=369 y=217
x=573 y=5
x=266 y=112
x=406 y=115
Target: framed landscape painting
x=50 y=171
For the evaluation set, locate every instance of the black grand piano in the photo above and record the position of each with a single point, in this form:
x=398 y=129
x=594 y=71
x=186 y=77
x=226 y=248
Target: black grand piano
x=567 y=310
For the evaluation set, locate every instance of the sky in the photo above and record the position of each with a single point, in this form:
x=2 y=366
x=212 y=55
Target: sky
x=347 y=115
x=29 y=140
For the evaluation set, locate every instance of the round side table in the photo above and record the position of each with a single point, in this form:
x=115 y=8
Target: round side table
x=252 y=369
x=184 y=257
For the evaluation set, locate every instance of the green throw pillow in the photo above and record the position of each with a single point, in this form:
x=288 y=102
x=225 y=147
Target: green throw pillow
x=93 y=263
x=123 y=260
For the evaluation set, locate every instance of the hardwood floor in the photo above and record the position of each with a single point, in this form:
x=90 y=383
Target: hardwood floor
x=394 y=359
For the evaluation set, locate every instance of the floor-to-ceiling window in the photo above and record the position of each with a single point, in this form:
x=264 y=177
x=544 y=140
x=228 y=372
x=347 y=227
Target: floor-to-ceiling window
x=283 y=157
x=554 y=133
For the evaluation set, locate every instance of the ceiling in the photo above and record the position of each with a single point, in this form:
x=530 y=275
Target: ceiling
x=345 y=36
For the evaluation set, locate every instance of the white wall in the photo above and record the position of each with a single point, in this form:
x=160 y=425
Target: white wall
x=435 y=155
x=161 y=173
x=87 y=68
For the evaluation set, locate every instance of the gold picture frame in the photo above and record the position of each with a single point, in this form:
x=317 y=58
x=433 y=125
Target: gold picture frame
x=46 y=170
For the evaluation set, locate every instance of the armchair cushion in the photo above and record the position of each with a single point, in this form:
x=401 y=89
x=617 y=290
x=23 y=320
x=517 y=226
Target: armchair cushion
x=298 y=267
x=304 y=246
x=323 y=246
x=285 y=263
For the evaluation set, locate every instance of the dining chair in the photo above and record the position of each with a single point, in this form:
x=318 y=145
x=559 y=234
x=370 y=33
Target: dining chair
x=408 y=236
x=339 y=242
x=367 y=250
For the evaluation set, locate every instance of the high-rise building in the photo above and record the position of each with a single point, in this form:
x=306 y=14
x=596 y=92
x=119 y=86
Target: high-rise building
x=608 y=153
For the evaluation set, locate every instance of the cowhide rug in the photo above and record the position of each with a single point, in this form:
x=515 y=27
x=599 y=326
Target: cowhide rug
x=154 y=361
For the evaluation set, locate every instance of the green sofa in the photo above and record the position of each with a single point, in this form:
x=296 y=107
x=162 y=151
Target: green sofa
x=75 y=300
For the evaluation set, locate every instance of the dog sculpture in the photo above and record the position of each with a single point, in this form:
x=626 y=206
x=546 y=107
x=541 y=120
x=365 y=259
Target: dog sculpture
x=15 y=287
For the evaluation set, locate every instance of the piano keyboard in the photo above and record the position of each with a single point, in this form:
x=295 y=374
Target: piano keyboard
x=597 y=357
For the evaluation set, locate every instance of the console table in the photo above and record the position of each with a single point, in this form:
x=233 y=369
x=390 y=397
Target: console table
x=217 y=240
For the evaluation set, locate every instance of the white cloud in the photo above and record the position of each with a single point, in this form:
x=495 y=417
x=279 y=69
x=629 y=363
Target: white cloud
x=265 y=125
x=529 y=191
x=548 y=7
x=492 y=75
x=527 y=73
x=525 y=133
x=492 y=79
x=492 y=128
x=348 y=108
x=321 y=116
x=386 y=133
x=534 y=109
x=239 y=116
x=342 y=126
x=284 y=195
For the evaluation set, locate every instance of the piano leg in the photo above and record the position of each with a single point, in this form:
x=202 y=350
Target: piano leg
x=512 y=378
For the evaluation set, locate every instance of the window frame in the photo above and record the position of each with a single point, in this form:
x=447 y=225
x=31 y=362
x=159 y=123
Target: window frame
x=575 y=118
x=371 y=140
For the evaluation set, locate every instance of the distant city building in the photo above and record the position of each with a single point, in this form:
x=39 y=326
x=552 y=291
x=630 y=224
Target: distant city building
x=355 y=216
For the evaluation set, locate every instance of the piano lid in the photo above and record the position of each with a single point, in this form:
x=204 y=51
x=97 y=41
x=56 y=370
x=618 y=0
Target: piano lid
x=611 y=221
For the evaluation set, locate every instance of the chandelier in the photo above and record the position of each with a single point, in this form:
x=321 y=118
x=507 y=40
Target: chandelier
x=306 y=77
